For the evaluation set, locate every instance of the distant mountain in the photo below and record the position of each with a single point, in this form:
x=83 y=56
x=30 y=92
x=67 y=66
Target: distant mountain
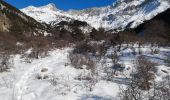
x=118 y=16
x=51 y=15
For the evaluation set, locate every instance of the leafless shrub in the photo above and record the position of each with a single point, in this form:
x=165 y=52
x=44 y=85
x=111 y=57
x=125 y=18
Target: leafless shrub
x=116 y=64
x=60 y=84
x=139 y=48
x=40 y=46
x=89 y=84
x=93 y=48
x=109 y=74
x=99 y=50
x=5 y=62
x=115 y=57
x=141 y=80
x=144 y=73
x=83 y=48
x=132 y=92
x=161 y=90
x=8 y=81
x=168 y=61
x=61 y=43
x=38 y=53
x=54 y=81
x=89 y=80
x=80 y=60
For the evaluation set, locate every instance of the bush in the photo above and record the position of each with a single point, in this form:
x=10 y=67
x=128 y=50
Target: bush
x=160 y=91
x=144 y=73
x=79 y=60
x=5 y=63
x=40 y=46
x=131 y=93
x=116 y=65
x=168 y=61
x=83 y=48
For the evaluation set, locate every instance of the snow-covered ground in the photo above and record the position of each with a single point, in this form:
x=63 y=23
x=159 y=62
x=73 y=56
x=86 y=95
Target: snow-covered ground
x=53 y=77
x=23 y=83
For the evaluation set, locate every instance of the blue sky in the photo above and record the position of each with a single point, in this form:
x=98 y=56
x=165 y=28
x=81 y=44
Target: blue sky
x=61 y=4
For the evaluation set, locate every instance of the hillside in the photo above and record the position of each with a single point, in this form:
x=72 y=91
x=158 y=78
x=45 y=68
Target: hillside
x=13 y=20
x=19 y=31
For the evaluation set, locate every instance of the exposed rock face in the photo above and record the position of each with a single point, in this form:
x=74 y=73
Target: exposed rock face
x=4 y=23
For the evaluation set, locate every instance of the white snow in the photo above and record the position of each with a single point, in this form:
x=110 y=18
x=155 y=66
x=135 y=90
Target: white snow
x=27 y=81
x=116 y=16
x=47 y=34
x=26 y=86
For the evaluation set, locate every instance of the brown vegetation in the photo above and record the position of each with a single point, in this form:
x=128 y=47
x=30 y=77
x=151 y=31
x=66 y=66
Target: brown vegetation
x=144 y=73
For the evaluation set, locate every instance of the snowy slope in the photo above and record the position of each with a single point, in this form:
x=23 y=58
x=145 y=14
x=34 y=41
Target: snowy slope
x=22 y=82
x=47 y=14
x=115 y=16
x=27 y=81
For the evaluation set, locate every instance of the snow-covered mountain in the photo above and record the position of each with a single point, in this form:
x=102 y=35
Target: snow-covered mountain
x=119 y=15
x=48 y=14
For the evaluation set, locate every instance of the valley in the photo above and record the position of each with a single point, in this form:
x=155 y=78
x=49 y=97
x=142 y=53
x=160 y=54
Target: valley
x=117 y=52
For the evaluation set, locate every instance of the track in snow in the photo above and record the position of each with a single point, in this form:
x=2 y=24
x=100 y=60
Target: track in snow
x=21 y=84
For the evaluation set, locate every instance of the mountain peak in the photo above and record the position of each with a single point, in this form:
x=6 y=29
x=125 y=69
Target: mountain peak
x=50 y=6
x=30 y=8
x=119 y=15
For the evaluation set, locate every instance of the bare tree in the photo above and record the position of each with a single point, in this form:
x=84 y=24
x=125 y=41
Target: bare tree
x=144 y=73
x=161 y=90
x=90 y=82
x=78 y=60
x=116 y=64
x=5 y=63
x=139 y=48
x=132 y=92
x=141 y=80
x=168 y=61
x=111 y=71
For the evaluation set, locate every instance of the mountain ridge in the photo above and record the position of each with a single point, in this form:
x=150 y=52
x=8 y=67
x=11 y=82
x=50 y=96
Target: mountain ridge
x=112 y=17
